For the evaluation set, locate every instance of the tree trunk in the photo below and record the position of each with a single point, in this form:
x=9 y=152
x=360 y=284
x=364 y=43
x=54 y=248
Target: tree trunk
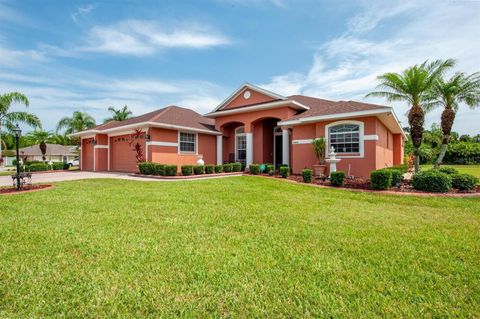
x=416 y=118
x=448 y=116
x=416 y=161
x=43 y=149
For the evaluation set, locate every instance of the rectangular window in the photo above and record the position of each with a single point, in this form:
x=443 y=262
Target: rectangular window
x=345 y=138
x=241 y=148
x=188 y=142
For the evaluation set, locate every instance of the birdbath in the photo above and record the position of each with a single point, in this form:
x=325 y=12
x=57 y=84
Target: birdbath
x=200 y=160
x=332 y=160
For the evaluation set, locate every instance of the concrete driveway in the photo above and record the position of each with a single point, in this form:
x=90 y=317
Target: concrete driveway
x=76 y=175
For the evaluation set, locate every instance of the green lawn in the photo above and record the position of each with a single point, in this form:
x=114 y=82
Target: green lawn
x=467 y=169
x=236 y=247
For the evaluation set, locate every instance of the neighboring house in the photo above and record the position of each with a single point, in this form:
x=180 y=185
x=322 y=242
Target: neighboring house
x=55 y=153
x=252 y=125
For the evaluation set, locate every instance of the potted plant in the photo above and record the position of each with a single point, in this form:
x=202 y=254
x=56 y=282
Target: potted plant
x=319 y=151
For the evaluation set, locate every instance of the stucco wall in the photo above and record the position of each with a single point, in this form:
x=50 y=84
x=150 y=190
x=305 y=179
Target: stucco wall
x=384 y=146
x=255 y=98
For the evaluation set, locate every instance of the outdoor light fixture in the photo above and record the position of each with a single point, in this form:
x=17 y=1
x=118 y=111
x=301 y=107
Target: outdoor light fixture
x=17 y=132
x=94 y=142
x=147 y=137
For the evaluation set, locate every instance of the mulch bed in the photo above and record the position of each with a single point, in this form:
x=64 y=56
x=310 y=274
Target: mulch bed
x=187 y=177
x=26 y=189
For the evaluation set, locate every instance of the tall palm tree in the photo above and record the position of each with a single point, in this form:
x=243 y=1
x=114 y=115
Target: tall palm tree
x=41 y=138
x=8 y=119
x=413 y=85
x=60 y=139
x=120 y=114
x=460 y=88
x=78 y=122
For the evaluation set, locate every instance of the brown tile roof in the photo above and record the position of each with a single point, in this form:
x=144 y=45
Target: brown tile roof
x=319 y=107
x=170 y=115
x=52 y=149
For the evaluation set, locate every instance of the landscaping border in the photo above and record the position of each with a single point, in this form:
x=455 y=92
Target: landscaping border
x=189 y=177
x=46 y=187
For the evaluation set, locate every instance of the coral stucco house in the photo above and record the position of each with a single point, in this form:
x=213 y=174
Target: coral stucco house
x=252 y=125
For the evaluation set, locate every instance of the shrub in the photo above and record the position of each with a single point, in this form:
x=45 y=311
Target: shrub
x=337 y=178
x=448 y=170
x=284 y=171
x=464 y=182
x=199 y=169
x=381 y=179
x=159 y=169
x=432 y=181
x=236 y=167
x=307 y=175
x=227 y=168
x=218 y=168
x=402 y=168
x=57 y=166
x=209 y=169
x=397 y=177
x=171 y=170
x=187 y=170
x=37 y=167
x=254 y=169
x=66 y=166
x=146 y=168
x=271 y=170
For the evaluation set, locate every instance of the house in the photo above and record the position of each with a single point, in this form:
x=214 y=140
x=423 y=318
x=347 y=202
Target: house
x=252 y=125
x=55 y=153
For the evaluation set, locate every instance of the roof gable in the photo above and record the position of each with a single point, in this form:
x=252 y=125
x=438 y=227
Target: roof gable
x=247 y=95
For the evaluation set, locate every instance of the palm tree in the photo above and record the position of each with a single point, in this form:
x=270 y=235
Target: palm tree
x=8 y=119
x=41 y=138
x=460 y=88
x=413 y=85
x=60 y=139
x=120 y=114
x=78 y=122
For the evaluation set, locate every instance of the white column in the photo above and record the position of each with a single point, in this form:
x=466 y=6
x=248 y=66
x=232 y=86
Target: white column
x=249 y=138
x=286 y=147
x=219 y=149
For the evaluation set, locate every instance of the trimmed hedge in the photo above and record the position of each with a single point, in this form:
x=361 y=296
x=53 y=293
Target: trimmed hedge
x=150 y=168
x=187 y=170
x=38 y=167
x=307 y=175
x=236 y=167
x=337 y=178
x=254 y=169
x=199 y=169
x=402 y=168
x=209 y=169
x=381 y=179
x=227 y=168
x=448 y=170
x=159 y=169
x=218 y=168
x=464 y=182
x=57 y=166
x=432 y=181
x=284 y=171
x=271 y=170
x=171 y=170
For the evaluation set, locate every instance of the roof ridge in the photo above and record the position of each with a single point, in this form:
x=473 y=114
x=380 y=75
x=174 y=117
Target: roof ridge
x=160 y=113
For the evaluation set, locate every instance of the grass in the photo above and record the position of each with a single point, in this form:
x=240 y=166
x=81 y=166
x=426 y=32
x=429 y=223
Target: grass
x=467 y=169
x=235 y=247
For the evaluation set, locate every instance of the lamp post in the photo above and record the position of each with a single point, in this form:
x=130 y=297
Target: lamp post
x=17 y=132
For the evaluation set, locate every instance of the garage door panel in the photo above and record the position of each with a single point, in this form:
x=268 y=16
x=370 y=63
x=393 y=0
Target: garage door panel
x=122 y=155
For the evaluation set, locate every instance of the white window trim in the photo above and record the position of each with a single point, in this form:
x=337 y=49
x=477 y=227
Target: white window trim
x=361 y=138
x=196 y=143
x=239 y=134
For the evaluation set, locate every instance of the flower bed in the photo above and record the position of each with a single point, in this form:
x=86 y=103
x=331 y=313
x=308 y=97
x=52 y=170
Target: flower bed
x=28 y=188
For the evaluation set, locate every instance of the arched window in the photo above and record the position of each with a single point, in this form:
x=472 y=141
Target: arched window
x=345 y=138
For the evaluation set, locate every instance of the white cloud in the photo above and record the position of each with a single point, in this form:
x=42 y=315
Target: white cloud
x=140 y=38
x=346 y=67
x=81 y=13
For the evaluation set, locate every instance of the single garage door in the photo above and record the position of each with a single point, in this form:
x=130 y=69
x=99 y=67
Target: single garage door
x=87 y=155
x=122 y=155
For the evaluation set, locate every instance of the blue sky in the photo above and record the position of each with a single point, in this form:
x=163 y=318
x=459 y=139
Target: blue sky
x=87 y=55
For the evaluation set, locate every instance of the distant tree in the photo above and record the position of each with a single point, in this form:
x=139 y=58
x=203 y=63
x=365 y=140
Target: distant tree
x=61 y=139
x=119 y=115
x=460 y=88
x=465 y=138
x=414 y=86
x=79 y=121
x=41 y=138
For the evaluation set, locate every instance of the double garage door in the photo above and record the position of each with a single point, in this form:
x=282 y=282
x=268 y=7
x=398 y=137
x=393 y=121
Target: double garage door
x=122 y=155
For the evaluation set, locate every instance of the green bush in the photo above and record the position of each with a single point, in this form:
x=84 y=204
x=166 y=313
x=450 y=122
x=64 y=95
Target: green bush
x=57 y=166
x=209 y=169
x=254 y=169
x=397 y=177
x=402 y=168
x=236 y=167
x=146 y=168
x=227 y=168
x=381 y=179
x=448 y=170
x=187 y=170
x=464 y=182
x=271 y=170
x=199 y=169
x=171 y=170
x=337 y=178
x=66 y=166
x=37 y=167
x=218 y=168
x=307 y=175
x=284 y=171
x=432 y=181
x=159 y=169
